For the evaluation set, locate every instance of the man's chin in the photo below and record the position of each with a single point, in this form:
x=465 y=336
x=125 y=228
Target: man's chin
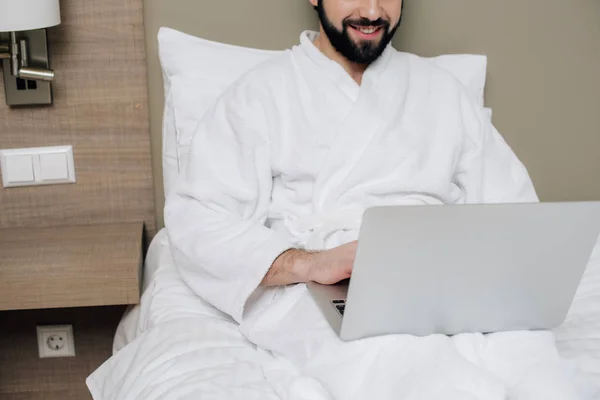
x=365 y=44
x=367 y=51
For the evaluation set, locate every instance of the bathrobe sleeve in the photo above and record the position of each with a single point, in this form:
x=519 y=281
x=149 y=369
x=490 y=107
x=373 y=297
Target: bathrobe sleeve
x=488 y=170
x=215 y=215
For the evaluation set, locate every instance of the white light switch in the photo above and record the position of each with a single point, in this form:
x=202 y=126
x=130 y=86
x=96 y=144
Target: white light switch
x=37 y=166
x=53 y=167
x=18 y=169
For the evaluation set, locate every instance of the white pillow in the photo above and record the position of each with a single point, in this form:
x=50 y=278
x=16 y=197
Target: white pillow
x=197 y=71
x=469 y=69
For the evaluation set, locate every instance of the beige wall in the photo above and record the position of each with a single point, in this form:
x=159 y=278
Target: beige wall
x=544 y=55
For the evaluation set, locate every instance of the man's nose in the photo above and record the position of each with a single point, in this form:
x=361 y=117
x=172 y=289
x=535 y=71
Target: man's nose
x=370 y=9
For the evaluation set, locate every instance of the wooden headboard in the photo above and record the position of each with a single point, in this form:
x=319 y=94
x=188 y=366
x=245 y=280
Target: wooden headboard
x=543 y=79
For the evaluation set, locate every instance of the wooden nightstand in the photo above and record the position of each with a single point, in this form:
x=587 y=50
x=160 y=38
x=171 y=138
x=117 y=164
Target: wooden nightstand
x=66 y=267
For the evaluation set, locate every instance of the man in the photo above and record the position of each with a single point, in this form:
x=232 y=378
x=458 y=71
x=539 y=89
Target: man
x=283 y=166
x=340 y=123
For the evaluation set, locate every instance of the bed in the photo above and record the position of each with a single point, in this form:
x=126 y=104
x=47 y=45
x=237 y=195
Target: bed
x=175 y=345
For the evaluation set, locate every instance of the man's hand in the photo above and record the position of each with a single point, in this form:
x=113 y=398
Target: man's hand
x=326 y=267
x=332 y=266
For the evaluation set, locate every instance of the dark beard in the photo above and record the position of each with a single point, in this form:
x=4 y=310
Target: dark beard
x=360 y=53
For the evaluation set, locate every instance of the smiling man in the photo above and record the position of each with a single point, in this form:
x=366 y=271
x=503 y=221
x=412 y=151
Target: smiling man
x=295 y=151
x=282 y=168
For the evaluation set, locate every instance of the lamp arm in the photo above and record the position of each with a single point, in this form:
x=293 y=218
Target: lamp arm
x=17 y=53
x=36 y=74
x=14 y=51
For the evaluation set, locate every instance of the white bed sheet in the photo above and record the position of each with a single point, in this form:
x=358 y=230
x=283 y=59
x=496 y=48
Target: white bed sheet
x=176 y=345
x=578 y=338
x=132 y=322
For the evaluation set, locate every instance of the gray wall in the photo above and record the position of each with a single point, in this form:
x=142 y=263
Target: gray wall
x=544 y=58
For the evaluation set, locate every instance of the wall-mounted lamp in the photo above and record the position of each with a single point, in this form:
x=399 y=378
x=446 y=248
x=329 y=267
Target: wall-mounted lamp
x=24 y=50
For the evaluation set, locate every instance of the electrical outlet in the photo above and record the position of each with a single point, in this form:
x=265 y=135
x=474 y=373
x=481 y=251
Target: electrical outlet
x=56 y=341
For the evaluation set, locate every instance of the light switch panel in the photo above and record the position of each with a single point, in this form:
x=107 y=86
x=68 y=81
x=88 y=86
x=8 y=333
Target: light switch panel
x=37 y=166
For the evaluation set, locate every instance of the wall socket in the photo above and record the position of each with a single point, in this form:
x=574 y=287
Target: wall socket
x=56 y=341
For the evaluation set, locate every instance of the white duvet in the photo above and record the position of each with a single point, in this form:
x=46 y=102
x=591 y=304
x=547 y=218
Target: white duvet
x=176 y=346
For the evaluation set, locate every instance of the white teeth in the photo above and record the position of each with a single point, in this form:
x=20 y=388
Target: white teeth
x=367 y=30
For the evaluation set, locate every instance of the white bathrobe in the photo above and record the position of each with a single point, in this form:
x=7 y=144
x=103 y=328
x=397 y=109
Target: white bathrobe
x=291 y=156
x=296 y=150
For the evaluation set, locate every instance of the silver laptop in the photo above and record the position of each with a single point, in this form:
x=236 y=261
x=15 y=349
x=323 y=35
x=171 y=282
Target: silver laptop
x=423 y=270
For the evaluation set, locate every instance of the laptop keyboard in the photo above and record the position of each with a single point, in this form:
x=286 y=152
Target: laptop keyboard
x=340 y=305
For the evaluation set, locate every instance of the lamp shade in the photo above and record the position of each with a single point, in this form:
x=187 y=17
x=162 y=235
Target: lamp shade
x=25 y=15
